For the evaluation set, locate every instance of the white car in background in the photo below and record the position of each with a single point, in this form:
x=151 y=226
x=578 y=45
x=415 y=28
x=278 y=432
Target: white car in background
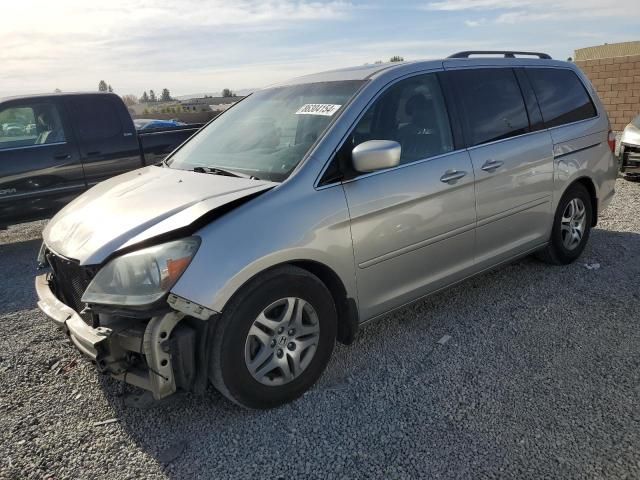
x=13 y=129
x=630 y=150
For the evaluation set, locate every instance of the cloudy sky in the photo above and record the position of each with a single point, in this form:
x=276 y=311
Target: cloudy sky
x=194 y=46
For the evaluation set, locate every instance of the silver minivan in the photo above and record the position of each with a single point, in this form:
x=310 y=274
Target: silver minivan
x=317 y=205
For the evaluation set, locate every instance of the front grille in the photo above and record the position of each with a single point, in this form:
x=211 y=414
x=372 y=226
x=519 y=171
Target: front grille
x=70 y=280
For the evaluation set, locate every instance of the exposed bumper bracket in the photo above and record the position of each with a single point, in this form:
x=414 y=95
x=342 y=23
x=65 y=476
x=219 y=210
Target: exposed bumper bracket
x=189 y=308
x=112 y=344
x=157 y=353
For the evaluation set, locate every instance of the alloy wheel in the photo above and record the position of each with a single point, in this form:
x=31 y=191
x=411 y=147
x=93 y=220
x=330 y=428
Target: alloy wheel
x=282 y=341
x=573 y=223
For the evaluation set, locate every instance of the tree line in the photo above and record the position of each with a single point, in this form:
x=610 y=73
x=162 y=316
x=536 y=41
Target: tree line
x=104 y=87
x=151 y=96
x=395 y=58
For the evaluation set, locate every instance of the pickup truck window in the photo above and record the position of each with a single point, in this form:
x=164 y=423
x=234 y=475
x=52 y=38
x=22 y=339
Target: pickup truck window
x=96 y=118
x=269 y=133
x=29 y=125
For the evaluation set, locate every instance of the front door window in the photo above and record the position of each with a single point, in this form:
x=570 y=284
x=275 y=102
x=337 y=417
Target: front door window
x=29 y=125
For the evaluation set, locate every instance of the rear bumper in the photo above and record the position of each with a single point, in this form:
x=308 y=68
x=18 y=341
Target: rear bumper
x=157 y=354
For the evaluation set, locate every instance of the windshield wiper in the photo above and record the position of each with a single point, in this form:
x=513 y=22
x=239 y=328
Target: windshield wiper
x=221 y=171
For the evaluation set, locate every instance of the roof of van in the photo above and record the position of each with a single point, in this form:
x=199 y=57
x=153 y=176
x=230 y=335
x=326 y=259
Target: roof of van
x=364 y=72
x=369 y=71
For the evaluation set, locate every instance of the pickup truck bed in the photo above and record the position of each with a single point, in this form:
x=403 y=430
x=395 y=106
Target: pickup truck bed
x=56 y=146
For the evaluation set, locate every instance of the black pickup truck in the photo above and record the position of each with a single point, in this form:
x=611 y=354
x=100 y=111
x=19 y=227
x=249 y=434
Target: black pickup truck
x=54 y=147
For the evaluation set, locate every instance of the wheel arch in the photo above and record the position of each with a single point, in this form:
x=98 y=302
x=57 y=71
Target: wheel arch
x=591 y=188
x=346 y=307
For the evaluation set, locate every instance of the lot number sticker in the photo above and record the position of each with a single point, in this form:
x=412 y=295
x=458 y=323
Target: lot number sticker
x=324 y=109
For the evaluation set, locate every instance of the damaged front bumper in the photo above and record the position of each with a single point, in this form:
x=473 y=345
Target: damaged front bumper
x=630 y=159
x=160 y=354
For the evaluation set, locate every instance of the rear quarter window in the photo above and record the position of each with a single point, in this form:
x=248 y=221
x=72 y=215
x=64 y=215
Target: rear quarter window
x=563 y=98
x=97 y=118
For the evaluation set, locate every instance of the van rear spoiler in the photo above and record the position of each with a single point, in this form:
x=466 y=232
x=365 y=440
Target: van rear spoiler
x=506 y=53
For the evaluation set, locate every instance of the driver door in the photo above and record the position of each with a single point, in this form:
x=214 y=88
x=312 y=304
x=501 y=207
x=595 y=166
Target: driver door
x=413 y=226
x=40 y=168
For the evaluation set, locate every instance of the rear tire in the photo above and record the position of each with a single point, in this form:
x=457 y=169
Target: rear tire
x=573 y=218
x=274 y=339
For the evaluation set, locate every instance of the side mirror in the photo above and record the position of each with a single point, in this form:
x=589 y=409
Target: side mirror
x=375 y=155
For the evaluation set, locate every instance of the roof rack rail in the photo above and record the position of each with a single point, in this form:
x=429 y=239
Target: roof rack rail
x=506 y=53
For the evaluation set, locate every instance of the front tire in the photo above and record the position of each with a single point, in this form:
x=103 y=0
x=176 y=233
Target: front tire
x=571 y=227
x=274 y=339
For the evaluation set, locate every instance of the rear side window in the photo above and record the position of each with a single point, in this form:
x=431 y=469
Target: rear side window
x=492 y=104
x=561 y=95
x=96 y=118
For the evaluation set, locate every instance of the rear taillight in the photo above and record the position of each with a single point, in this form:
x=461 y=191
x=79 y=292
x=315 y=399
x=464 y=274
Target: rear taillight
x=611 y=140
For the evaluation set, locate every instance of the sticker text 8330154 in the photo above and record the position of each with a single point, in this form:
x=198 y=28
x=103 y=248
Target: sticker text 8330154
x=324 y=109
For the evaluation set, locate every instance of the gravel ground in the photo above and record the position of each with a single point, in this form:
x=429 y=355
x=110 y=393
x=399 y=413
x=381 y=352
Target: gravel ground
x=540 y=379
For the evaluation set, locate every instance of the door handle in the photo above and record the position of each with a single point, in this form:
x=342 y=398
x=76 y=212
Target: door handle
x=491 y=165
x=62 y=156
x=451 y=176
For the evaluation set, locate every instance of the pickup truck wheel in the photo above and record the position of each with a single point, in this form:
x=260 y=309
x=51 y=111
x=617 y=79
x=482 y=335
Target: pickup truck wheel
x=274 y=339
x=571 y=227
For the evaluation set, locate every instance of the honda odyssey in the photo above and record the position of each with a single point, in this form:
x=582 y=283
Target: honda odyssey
x=317 y=205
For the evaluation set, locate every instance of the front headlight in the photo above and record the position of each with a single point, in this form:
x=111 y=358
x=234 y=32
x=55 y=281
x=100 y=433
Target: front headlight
x=141 y=277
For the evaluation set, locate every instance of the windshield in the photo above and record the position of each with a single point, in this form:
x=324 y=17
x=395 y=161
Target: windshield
x=636 y=122
x=267 y=134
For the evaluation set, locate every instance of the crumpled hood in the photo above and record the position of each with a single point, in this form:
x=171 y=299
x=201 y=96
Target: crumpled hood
x=138 y=205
